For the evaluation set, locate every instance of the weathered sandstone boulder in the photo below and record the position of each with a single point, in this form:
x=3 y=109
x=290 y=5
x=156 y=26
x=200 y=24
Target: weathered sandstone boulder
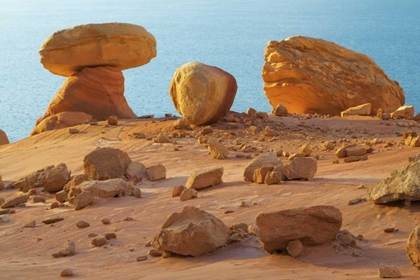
x=312 y=226
x=15 y=199
x=202 y=93
x=301 y=168
x=188 y=194
x=310 y=75
x=361 y=110
x=51 y=178
x=207 y=177
x=120 y=45
x=216 y=149
x=135 y=170
x=403 y=112
x=280 y=111
x=83 y=200
x=3 y=138
x=61 y=120
x=106 y=163
x=258 y=162
x=107 y=188
x=400 y=185
x=67 y=249
x=413 y=247
x=193 y=232
x=156 y=172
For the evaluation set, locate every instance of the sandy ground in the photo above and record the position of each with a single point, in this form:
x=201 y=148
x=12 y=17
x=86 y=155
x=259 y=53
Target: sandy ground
x=26 y=252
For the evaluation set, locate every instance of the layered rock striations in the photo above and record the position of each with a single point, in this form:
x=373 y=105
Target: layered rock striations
x=92 y=57
x=310 y=75
x=202 y=93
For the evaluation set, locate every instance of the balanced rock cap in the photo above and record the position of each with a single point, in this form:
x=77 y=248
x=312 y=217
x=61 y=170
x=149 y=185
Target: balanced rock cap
x=121 y=45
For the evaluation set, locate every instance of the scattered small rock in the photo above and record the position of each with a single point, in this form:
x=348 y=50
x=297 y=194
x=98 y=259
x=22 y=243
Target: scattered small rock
x=113 y=120
x=105 y=221
x=67 y=272
x=177 y=191
x=54 y=205
x=110 y=235
x=390 y=230
x=390 y=271
x=73 y=130
x=127 y=219
x=155 y=253
x=98 y=241
x=52 y=220
x=67 y=249
x=356 y=200
x=188 y=194
x=82 y=224
x=295 y=248
x=31 y=224
x=142 y=258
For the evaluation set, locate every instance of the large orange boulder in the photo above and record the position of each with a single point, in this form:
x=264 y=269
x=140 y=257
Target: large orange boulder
x=202 y=93
x=120 y=45
x=310 y=75
x=91 y=93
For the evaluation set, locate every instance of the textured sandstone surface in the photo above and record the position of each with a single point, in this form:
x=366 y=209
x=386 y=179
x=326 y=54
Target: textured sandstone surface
x=120 y=45
x=310 y=75
x=98 y=92
x=202 y=93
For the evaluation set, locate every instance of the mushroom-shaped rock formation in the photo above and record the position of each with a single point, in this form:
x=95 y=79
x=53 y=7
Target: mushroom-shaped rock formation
x=202 y=93
x=92 y=56
x=120 y=45
x=310 y=75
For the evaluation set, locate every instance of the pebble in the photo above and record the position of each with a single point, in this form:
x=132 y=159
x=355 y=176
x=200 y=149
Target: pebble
x=31 y=224
x=142 y=258
x=110 y=235
x=52 y=220
x=106 y=221
x=67 y=272
x=82 y=224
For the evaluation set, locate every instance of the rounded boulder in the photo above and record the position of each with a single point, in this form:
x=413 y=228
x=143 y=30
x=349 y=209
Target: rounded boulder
x=202 y=93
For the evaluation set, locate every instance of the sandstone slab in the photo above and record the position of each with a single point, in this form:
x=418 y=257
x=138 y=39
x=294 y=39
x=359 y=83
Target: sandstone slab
x=203 y=178
x=188 y=194
x=301 y=168
x=106 y=163
x=312 y=226
x=403 y=112
x=15 y=199
x=400 y=185
x=107 y=188
x=120 y=45
x=202 y=93
x=361 y=110
x=193 y=232
x=311 y=75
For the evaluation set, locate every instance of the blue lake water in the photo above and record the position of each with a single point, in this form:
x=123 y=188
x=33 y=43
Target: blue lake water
x=229 y=34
